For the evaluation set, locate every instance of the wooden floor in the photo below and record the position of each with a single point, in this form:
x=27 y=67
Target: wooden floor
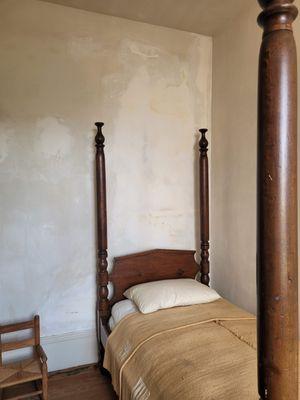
x=78 y=384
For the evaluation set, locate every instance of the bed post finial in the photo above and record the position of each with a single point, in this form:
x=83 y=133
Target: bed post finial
x=204 y=208
x=203 y=143
x=277 y=269
x=277 y=15
x=102 y=273
x=99 y=139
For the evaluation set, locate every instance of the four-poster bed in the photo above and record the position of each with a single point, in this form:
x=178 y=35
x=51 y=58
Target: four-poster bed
x=277 y=331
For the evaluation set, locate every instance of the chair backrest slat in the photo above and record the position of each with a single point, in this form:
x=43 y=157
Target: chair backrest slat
x=34 y=325
x=20 y=344
x=21 y=326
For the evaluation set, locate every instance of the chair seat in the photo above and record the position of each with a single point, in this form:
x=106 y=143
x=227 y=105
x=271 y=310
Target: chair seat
x=20 y=372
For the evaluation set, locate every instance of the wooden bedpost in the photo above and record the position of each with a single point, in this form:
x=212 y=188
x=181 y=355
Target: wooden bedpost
x=277 y=274
x=204 y=208
x=102 y=274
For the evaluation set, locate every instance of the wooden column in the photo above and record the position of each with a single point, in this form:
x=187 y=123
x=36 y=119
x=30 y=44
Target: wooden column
x=277 y=204
x=102 y=274
x=204 y=208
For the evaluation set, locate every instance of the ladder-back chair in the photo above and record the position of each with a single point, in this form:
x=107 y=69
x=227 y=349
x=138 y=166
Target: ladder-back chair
x=33 y=369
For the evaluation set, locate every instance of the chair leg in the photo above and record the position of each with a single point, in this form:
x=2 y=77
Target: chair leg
x=38 y=386
x=45 y=383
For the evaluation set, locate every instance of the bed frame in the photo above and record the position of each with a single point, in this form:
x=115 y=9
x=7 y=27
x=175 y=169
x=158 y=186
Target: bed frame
x=277 y=257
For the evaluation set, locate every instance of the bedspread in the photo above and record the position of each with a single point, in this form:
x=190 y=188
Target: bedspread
x=205 y=351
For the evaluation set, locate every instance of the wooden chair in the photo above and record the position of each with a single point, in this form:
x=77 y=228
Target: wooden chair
x=32 y=369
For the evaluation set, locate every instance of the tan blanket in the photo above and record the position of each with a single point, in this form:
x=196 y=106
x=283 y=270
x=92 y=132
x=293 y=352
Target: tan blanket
x=198 y=352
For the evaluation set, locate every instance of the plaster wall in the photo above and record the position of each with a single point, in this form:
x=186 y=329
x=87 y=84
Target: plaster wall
x=62 y=69
x=234 y=141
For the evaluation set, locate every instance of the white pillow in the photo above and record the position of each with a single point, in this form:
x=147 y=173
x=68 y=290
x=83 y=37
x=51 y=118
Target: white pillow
x=153 y=296
x=121 y=309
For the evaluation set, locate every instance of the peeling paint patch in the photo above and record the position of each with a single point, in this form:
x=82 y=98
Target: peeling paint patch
x=165 y=101
x=142 y=50
x=54 y=138
x=114 y=85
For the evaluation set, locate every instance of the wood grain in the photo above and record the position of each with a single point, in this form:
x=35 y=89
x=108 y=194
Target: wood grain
x=204 y=208
x=102 y=274
x=152 y=265
x=84 y=383
x=277 y=269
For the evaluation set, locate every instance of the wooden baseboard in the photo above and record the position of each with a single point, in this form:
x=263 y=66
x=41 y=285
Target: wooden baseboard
x=72 y=349
x=74 y=370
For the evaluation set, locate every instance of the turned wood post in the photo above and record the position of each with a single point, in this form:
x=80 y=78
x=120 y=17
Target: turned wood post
x=102 y=273
x=277 y=274
x=204 y=208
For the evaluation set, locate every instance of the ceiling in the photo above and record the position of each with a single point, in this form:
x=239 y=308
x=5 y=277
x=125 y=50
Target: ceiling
x=199 y=16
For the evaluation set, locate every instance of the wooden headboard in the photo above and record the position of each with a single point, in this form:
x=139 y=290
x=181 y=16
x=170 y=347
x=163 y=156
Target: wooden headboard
x=152 y=265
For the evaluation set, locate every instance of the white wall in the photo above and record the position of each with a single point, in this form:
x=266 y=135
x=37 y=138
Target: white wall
x=234 y=141
x=233 y=166
x=62 y=69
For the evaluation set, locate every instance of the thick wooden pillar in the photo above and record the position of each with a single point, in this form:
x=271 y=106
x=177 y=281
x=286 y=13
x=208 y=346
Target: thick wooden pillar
x=204 y=208
x=277 y=275
x=102 y=274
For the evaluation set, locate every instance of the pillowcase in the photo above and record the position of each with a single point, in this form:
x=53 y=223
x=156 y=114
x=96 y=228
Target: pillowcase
x=121 y=309
x=153 y=296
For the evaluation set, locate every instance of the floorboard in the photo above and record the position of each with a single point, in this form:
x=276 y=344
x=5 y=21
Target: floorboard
x=84 y=383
